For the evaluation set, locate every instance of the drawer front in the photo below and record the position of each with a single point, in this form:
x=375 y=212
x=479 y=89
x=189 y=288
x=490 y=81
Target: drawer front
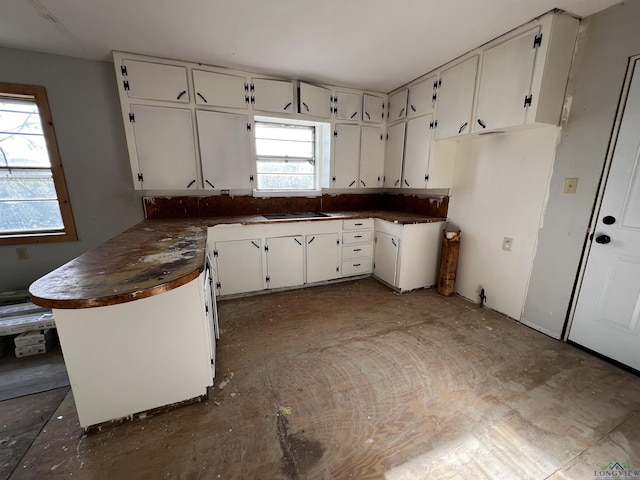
x=357 y=236
x=363 y=223
x=357 y=266
x=357 y=251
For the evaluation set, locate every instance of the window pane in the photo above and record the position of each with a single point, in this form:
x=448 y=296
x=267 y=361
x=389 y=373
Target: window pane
x=292 y=132
x=30 y=216
x=26 y=185
x=285 y=182
x=20 y=150
x=284 y=148
x=19 y=122
x=282 y=166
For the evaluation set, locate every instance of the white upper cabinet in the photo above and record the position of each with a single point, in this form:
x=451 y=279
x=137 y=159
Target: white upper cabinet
x=505 y=82
x=272 y=95
x=456 y=89
x=225 y=150
x=346 y=105
x=422 y=97
x=346 y=155
x=154 y=81
x=315 y=100
x=397 y=106
x=373 y=108
x=393 y=156
x=220 y=89
x=416 y=152
x=371 y=157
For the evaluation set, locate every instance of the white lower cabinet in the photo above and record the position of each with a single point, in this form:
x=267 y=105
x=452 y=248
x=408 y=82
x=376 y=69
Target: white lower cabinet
x=322 y=257
x=413 y=249
x=285 y=261
x=238 y=266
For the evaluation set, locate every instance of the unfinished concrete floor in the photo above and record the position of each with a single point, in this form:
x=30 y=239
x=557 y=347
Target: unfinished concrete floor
x=354 y=381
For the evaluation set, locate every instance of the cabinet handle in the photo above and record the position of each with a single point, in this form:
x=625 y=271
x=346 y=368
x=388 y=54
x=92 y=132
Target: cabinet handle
x=357 y=264
x=406 y=183
x=413 y=108
x=464 y=125
x=191 y=183
x=396 y=183
x=255 y=244
x=482 y=124
x=367 y=114
x=352 y=116
x=357 y=249
x=210 y=184
x=181 y=94
x=401 y=113
x=312 y=239
x=351 y=184
x=363 y=184
x=298 y=241
x=287 y=106
x=357 y=236
x=358 y=224
x=393 y=241
x=305 y=106
x=202 y=97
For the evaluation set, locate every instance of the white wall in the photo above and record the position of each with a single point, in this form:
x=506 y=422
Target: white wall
x=499 y=190
x=86 y=114
x=606 y=42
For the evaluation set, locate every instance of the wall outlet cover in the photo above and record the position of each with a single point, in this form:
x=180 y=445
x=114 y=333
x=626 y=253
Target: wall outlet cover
x=507 y=243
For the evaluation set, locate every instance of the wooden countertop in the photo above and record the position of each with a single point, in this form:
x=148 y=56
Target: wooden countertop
x=152 y=257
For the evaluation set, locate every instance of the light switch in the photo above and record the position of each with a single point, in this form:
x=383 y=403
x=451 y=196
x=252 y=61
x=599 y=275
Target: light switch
x=570 y=185
x=506 y=244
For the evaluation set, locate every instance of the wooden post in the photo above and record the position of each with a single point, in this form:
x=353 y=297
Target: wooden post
x=449 y=262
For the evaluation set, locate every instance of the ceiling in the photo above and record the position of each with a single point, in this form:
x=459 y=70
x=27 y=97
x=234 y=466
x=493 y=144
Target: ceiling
x=370 y=44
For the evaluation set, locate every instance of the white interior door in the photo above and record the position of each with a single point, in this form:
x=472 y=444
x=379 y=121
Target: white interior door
x=607 y=316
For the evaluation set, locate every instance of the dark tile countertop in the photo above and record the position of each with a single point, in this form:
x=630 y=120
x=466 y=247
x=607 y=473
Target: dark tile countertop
x=155 y=256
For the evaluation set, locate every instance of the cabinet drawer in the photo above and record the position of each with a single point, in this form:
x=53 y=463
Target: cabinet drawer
x=363 y=236
x=356 y=267
x=363 y=223
x=357 y=251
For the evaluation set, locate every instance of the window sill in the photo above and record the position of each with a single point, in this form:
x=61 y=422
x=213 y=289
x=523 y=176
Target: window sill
x=28 y=239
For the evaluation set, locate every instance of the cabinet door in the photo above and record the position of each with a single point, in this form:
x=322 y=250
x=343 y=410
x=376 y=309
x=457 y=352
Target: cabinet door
x=165 y=147
x=220 y=90
x=272 y=95
x=505 y=82
x=322 y=257
x=373 y=109
x=455 y=98
x=346 y=105
x=225 y=150
x=371 y=157
x=155 y=81
x=385 y=257
x=238 y=266
x=346 y=156
x=422 y=97
x=315 y=100
x=210 y=317
x=393 y=156
x=397 y=106
x=416 y=152
x=285 y=261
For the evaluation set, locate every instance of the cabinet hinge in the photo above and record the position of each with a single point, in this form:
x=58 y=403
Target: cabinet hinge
x=387 y=137
x=527 y=100
x=132 y=118
x=338 y=269
x=246 y=99
x=215 y=253
x=338 y=242
x=439 y=83
x=335 y=133
x=125 y=83
x=206 y=309
x=251 y=178
x=140 y=177
x=333 y=179
x=266 y=249
x=246 y=87
x=253 y=100
x=123 y=70
x=252 y=87
x=218 y=285
x=381 y=137
x=537 y=42
x=426 y=178
x=248 y=127
x=435 y=84
x=433 y=97
x=433 y=124
x=268 y=279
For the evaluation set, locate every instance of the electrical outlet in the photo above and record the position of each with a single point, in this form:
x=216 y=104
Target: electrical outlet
x=22 y=253
x=506 y=244
x=570 y=185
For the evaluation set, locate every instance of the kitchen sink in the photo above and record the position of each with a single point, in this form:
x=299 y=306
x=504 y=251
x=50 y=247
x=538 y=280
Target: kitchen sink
x=294 y=215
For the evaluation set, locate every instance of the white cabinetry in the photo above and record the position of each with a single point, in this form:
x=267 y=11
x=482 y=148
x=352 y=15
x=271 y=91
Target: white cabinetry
x=164 y=147
x=220 y=89
x=225 y=150
x=418 y=253
x=422 y=97
x=371 y=157
x=346 y=105
x=357 y=238
x=373 y=108
x=393 y=155
x=315 y=100
x=455 y=98
x=416 y=152
x=238 y=266
x=285 y=261
x=322 y=257
x=272 y=95
x=397 y=106
x=385 y=260
x=154 y=81
x=346 y=155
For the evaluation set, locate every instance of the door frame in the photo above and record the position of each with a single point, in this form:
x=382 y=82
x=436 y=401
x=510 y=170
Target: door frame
x=633 y=62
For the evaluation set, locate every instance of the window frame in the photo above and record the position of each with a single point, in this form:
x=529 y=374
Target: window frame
x=69 y=233
x=322 y=130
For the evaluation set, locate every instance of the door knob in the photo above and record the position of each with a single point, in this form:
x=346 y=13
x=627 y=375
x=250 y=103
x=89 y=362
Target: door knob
x=603 y=239
x=609 y=220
